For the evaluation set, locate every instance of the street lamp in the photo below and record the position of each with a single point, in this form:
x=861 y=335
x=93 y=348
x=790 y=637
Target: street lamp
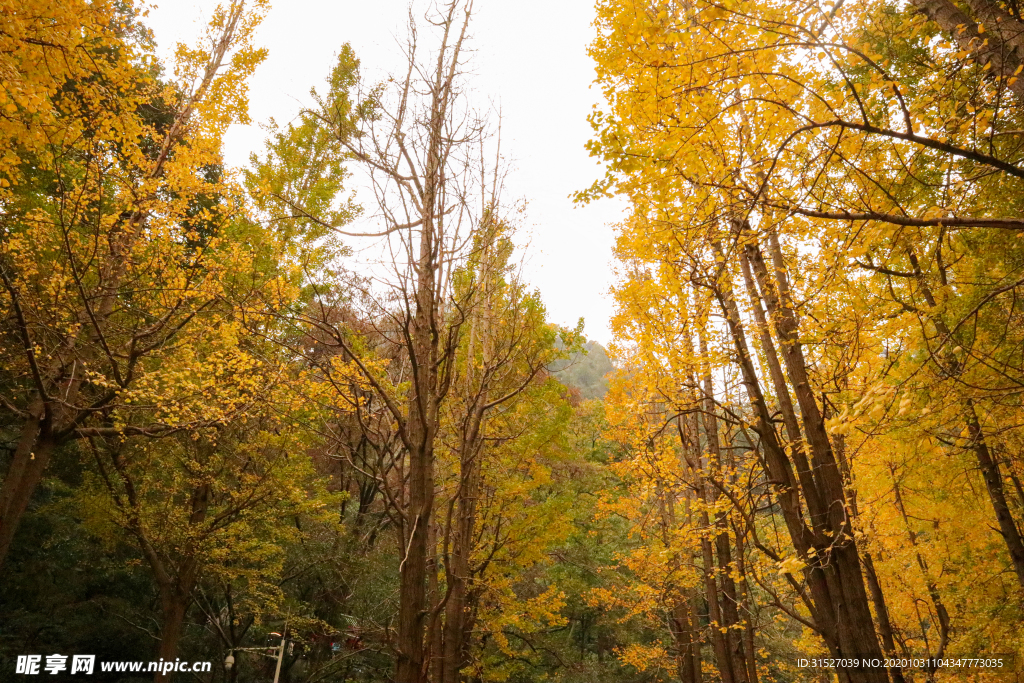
x=229 y=661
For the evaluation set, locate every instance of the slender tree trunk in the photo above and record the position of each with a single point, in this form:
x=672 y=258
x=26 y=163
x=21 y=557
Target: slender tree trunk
x=941 y=614
x=882 y=611
x=690 y=668
x=997 y=495
x=422 y=414
x=750 y=651
x=458 y=576
x=727 y=588
x=435 y=637
x=989 y=467
x=816 y=508
x=684 y=635
x=718 y=639
x=717 y=590
x=840 y=611
x=856 y=627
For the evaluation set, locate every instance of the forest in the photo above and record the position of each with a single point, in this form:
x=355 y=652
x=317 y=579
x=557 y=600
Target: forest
x=228 y=437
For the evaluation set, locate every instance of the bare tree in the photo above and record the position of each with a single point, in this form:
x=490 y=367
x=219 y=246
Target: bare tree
x=418 y=141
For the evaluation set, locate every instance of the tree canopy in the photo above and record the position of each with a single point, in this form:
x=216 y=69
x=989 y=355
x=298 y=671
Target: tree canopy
x=227 y=437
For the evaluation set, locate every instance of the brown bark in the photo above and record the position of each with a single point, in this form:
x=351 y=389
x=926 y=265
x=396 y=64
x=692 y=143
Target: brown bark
x=751 y=253
x=456 y=650
x=422 y=410
x=681 y=619
x=173 y=606
x=692 y=450
x=35 y=446
x=718 y=639
x=998 y=21
x=52 y=416
x=882 y=612
x=688 y=629
x=838 y=601
x=986 y=48
x=856 y=627
x=435 y=636
x=997 y=495
x=427 y=352
x=751 y=256
x=750 y=652
x=726 y=597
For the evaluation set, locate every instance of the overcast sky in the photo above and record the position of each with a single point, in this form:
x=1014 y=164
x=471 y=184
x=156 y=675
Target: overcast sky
x=530 y=58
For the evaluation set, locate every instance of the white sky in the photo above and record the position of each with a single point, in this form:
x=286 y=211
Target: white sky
x=530 y=58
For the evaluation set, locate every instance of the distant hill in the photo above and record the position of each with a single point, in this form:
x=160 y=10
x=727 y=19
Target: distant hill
x=585 y=371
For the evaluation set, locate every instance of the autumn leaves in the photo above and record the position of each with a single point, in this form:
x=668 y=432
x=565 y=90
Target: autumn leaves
x=821 y=197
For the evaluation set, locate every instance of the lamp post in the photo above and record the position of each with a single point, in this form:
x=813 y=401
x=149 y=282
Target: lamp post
x=229 y=661
x=280 y=653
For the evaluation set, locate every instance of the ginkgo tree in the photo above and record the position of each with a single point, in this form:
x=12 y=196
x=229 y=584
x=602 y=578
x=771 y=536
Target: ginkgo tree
x=116 y=246
x=834 y=190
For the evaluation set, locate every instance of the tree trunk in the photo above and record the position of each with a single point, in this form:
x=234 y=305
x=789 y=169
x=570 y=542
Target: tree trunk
x=174 y=605
x=994 y=485
x=455 y=646
x=31 y=455
x=856 y=626
x=412 y=598
x=421 y=413
x=985 y=47
x=952 y=367
x=882 y=612
x=688 y=638
x=751 y=256
x=748 y=618
x=726 y=598
x=840 y=612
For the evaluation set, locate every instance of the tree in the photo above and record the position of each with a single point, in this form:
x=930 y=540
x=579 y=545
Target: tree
x=110 y=245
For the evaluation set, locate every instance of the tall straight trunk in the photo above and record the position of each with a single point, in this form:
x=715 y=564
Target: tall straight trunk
x=726 y=598
x=840 y=611
x=690 y=669
x=719 y=642
x=856 y=629
x=685 y=632
x=882 y=612
x=747 y=611
x=751 y=254
x=423 y=401
x=434 y=636
x=456 y=651
x=422 y=431
x=997 y=495
x=681 y=619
